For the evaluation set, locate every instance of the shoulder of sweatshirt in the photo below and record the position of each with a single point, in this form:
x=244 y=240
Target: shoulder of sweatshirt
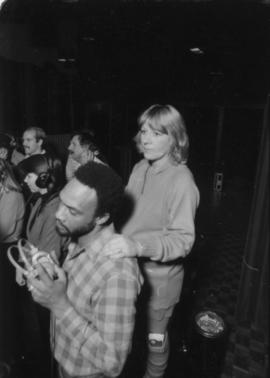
x=177 y=172
x=182 y=171
x=181 y=178
x=183 y=174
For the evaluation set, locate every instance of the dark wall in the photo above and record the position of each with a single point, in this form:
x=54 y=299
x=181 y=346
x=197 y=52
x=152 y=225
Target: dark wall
x=56 y=101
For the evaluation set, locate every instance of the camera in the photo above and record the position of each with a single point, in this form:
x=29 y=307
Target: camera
x=28 y=256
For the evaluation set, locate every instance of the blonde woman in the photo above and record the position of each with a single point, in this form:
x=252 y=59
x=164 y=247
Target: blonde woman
x=160 y=230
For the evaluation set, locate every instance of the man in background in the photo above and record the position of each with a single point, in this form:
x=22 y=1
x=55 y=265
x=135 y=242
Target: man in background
x=82 y=148
x=33 y=141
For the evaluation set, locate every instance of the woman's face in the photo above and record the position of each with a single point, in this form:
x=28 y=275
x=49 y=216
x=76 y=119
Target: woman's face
x=156 y=145
x=30 y=180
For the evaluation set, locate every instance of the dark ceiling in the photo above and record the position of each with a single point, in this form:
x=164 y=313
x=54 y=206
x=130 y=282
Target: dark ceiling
x=211 y=50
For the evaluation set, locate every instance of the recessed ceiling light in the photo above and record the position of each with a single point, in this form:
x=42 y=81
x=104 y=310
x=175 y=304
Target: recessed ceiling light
x=64 y=60
x=196 y=50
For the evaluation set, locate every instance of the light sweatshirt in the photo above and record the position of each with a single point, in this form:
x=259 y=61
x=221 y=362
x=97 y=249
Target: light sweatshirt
x=165 y=203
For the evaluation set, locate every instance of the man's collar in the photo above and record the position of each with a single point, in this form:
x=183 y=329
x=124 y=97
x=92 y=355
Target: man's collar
x=95 y=242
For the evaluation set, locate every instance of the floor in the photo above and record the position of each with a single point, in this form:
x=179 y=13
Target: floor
x=211 y=283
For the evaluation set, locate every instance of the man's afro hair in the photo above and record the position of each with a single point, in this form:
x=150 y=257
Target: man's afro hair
x=107 y=184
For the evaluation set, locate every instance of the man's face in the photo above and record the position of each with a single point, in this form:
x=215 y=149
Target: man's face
x=75 y=149
x=76 y=212
x=30 y=144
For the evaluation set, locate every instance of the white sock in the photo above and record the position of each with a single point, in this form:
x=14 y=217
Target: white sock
x=156 y=336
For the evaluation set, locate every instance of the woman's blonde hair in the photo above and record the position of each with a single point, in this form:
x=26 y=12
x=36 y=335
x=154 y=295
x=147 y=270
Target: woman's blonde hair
x=167 y=120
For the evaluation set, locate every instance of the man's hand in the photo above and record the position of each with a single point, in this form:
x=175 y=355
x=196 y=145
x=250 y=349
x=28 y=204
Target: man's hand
x=120 y=246
x=48 y=292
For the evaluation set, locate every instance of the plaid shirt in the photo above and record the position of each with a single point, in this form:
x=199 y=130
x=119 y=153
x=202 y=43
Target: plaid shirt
x=94 y=335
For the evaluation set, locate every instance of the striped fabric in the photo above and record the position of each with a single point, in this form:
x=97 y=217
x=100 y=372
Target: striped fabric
x=94 y=335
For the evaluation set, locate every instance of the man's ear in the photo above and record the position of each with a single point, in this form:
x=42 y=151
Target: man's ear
x=102 y=219
x=86 y=156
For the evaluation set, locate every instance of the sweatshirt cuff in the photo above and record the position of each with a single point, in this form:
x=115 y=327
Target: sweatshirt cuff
x=147 y=249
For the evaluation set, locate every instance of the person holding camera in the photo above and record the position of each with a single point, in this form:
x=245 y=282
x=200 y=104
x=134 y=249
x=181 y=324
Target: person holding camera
x=93 y=298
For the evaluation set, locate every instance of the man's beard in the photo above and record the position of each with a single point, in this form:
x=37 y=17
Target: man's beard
x=65 y=231
x=61 y=229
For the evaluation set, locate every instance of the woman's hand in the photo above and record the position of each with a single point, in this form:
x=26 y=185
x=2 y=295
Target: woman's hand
x=120 y=246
